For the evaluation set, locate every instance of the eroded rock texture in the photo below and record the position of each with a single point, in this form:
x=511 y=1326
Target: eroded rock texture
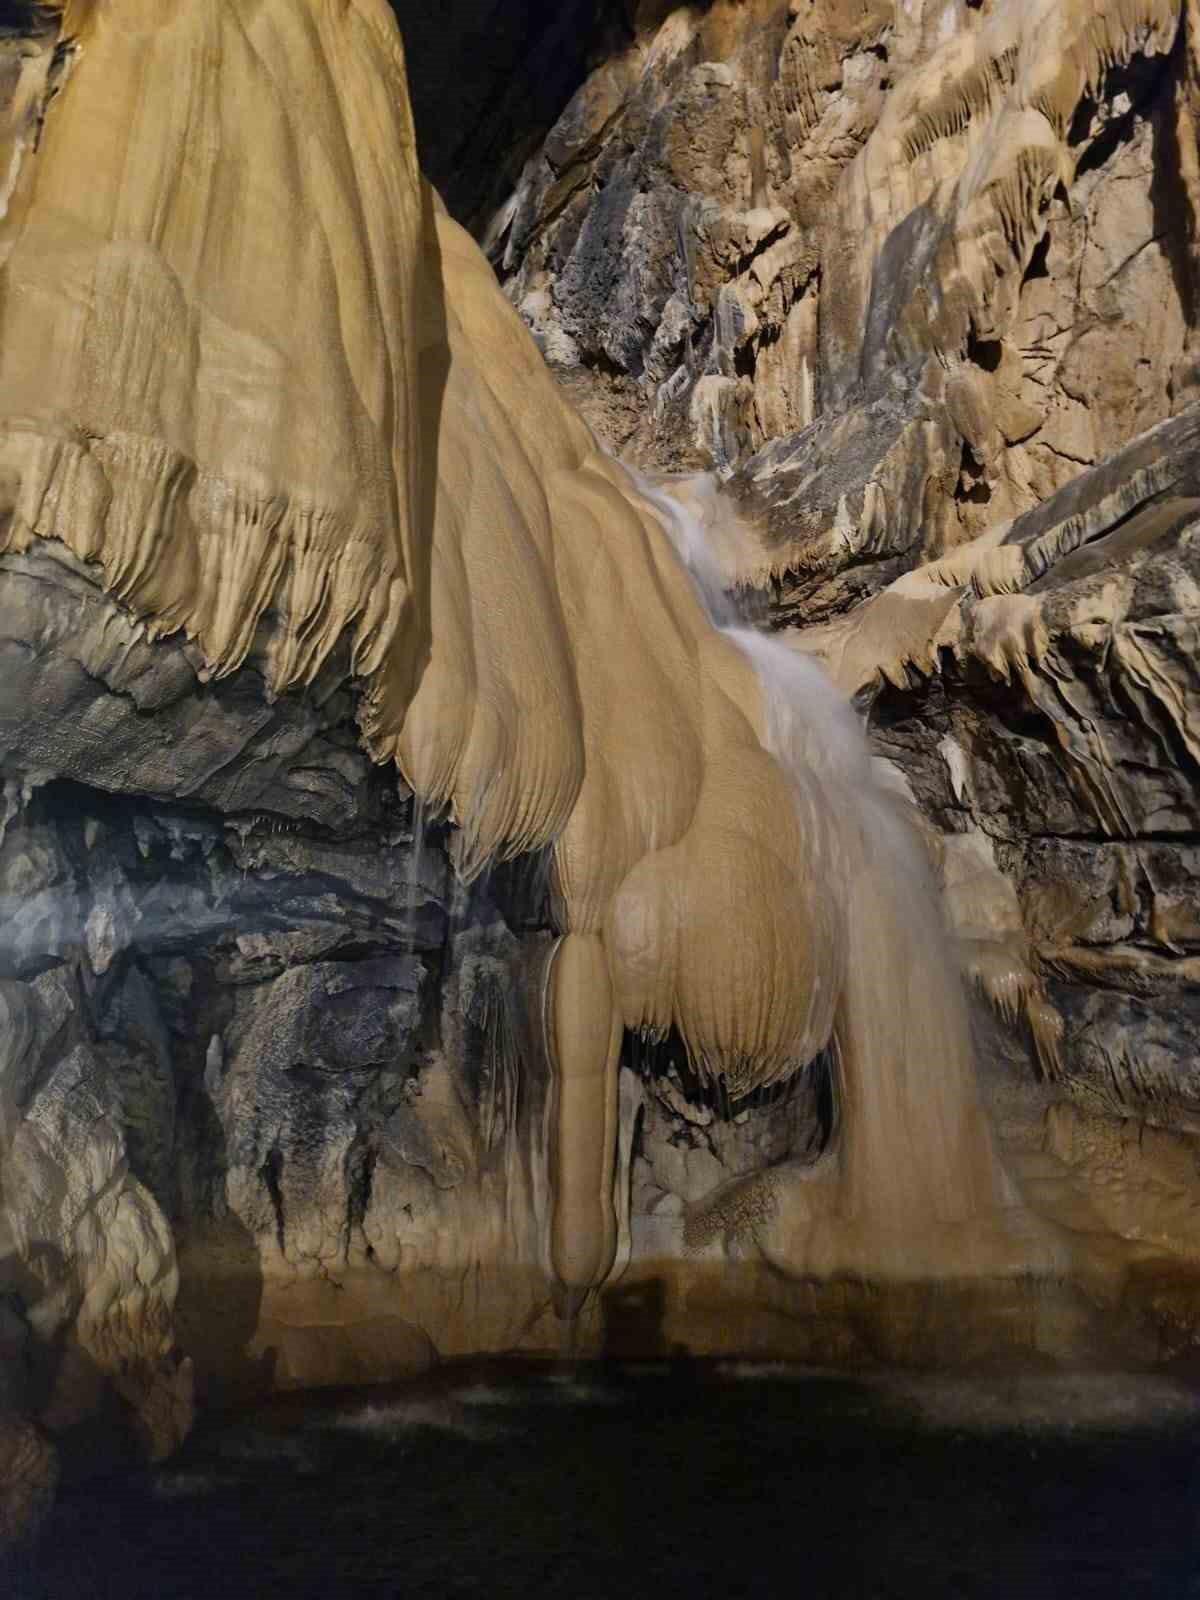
x=251 y=1019
x=916 y=242
x=276 y=1080
x=917 y=282
x=1060 y=728
x=913 y=279
x=261 y=1033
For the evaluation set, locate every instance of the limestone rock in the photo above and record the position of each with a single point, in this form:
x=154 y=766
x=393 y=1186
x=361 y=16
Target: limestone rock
x=920 y=284
x=274 y=1088
x=913 y=279
x=1039 y=693
x=28 y=1480
x=899 y=271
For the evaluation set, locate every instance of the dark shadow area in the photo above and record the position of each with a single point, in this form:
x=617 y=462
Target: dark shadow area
x=27 y=1366
x=1175 y=222
x=749 y=1481
x=488 y=79
x=632 y=1317
x=217 y=1316
x=415 y=628
x=27 y=19
x=1139 y=80
x=219 y=1306
x=805 y=1098
x=54 y=1380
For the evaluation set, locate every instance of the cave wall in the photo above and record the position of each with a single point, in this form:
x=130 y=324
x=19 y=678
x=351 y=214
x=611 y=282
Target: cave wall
x=312 y=491
x=912 y=280
x=275 y=1082
x=761 y=217
x=250 y=1016
x=279 y=1076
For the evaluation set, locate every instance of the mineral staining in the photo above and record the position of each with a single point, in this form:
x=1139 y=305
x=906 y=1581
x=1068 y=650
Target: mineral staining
x=262 y=415
x=254 y=375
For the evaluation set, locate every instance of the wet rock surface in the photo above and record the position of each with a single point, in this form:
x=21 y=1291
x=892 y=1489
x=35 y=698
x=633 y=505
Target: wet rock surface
x=853 y=259
x=1058 y=726
x=272 y=1084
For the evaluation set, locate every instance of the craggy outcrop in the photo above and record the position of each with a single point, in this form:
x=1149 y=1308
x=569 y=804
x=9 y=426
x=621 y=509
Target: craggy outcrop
x=919 y=285
x=899 y=257
x=258 y=1040
x=1055 y=680
x=919 y=368
x=386 y=458
x=417 y=913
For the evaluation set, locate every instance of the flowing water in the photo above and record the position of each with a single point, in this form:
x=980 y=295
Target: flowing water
x=714 y=1479
x=916 y=1188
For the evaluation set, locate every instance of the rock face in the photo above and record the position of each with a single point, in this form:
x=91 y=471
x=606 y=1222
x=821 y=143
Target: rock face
x=242 y=1072
x=917 y=283
x=28 y=1479
x=755 y=230
x=249 y=1016
x=1060 y=729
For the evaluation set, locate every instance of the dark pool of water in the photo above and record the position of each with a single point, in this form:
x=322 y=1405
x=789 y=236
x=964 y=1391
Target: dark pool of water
x=720 y=1481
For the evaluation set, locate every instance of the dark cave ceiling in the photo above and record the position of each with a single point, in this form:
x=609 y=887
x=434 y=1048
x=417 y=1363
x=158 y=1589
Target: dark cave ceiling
x=489 y=78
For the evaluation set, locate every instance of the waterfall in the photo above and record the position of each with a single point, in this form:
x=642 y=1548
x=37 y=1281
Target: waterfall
x=913 y=1185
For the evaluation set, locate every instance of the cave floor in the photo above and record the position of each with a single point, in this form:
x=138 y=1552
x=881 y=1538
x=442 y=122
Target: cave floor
x=683 y=1479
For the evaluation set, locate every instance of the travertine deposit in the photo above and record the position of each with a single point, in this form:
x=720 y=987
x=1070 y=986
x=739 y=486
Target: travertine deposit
x=421 y=906
x=919 y=283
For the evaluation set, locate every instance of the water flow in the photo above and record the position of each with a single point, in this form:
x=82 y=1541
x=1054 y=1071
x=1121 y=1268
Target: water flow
x=915 y=1171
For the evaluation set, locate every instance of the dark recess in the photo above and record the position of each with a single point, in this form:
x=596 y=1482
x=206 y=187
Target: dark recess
x=23 y=17
x=488 y=79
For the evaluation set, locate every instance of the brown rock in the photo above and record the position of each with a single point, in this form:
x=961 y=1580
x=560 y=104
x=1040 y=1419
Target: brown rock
x=28 y=1480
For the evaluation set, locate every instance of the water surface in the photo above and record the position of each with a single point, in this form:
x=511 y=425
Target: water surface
x=726 y=1479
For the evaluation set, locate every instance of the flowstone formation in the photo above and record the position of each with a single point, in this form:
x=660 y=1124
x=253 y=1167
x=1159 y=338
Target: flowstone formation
x=357 y=464
x=421 y=911
x=918 y=283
